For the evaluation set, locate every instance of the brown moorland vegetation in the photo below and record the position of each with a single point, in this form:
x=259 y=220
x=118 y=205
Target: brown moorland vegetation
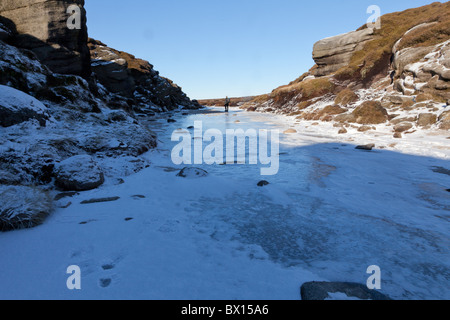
x=375 y=57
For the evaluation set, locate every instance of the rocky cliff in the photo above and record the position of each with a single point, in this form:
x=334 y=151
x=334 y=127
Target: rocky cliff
x=71 y=110
x=42 y=27
x=124 y=74
x=398 y=74
x=333 y=53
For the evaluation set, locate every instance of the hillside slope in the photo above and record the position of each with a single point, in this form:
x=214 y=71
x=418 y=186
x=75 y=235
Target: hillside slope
x=397 y=74
x=70 y=110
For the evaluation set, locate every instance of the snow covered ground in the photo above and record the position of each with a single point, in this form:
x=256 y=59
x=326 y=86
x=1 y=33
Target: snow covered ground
x=329 y=213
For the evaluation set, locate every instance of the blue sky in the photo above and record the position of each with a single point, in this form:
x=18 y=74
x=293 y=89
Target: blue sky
x=236 y=47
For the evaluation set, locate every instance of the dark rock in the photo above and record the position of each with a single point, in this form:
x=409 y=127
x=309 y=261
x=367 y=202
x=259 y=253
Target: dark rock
x=367 y=147
x=171 y=120
x=320 y=291
x=104 y=283
x=263 y=183
x=99 y=200
x=192 y=173
x=63 y=195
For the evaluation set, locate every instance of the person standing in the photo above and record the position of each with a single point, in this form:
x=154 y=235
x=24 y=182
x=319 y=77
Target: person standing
x=227 y=104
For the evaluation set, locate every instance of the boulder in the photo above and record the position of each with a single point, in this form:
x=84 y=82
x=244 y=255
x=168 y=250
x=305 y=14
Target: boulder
x=322 y=290
x=263 y=183
x=370 y=112
x=17 y=107
x=78 y=173
x=192 y=173
x=444 y=119
x=333 y=53
x=403 y=126
x=346 y=97
x=426 y=119
x=23 y=207
x=409 y=56
x=367 y=147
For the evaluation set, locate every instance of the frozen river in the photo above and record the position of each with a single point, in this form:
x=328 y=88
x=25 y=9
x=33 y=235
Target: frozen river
x=328 y=214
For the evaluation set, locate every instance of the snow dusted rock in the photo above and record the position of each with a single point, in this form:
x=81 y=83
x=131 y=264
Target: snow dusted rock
x=78 y=173
x=192 y=173
x=324 y=291
x=17 y=107
x=23 y=207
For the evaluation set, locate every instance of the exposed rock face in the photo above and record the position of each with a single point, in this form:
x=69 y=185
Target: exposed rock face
x=333 y=53
x=42 y=28
x=124 y=74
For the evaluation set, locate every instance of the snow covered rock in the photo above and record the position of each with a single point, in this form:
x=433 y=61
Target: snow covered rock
x=23 y=207
x=17 y=107
x=78 y=173
x=192 y=173
x=324 y=290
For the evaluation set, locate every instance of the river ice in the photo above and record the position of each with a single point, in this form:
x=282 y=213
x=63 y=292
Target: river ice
x=330 y=213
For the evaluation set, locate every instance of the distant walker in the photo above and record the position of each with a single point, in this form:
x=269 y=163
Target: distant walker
x=227 y=104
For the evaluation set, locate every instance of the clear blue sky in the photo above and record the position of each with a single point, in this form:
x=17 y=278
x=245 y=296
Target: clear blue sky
x=235 y=47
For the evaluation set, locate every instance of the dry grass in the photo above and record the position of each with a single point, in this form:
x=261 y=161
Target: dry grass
x=23 y=207
x=345 y=97
x=304 y=91
x=374 y=58
x=370 y=112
